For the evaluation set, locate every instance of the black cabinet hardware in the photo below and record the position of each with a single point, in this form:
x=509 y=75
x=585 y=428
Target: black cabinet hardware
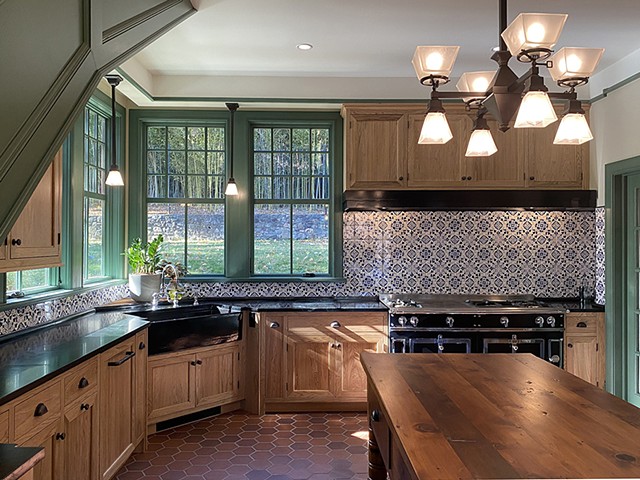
x=274 y=325
x=142 y=346
x=581 y=325
x=127 y=356
x=193 y=363
x=60 y=436
x=16 y=241
x=84 y=406
x=569 y=345
x=335 y=324
x=84 y=383
x=199 y=362
x=41 y=409
x=375 y=416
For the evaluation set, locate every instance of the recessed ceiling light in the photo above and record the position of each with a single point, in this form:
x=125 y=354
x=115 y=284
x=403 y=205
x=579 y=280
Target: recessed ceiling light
x=304 y=46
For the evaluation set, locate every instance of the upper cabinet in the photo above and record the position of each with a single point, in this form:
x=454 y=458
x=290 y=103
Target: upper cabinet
x=34 y=240
x=382 y=152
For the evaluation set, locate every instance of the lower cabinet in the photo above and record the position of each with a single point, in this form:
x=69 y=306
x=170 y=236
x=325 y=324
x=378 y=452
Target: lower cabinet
x=314 y=358
x=51 y=439
x=585 y=347
x=80 y=430
x=179 y=383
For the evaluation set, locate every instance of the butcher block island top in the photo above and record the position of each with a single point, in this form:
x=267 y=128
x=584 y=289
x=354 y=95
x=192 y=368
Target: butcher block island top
x=493 y=416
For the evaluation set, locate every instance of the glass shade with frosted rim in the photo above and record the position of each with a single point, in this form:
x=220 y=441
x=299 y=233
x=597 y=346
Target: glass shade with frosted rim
x=114 y=179
x=572 y=62
x=435 y=129
x=474 y=82
x=573 y=130
x=232 y=188
x=437 y=61
x=481 y=144
x=530 y=31
x=535 y=111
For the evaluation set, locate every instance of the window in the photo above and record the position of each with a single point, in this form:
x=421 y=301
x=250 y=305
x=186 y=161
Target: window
x=94 y=198
x=291 y=167
x=185 y=176
x=31 y=281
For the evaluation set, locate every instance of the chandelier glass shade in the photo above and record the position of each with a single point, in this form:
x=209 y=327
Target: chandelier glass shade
x=474 y=82
x=434 y=62
x=573 y=130
x=533 y=31
x=536 y=111
x=481 y=144
x=574 y=64
x=435 y=129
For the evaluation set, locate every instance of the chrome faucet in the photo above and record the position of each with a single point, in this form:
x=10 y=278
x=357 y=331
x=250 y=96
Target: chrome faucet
x=163 y=287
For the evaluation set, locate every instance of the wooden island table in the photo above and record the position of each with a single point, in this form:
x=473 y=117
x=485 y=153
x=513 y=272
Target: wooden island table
x=493 y=416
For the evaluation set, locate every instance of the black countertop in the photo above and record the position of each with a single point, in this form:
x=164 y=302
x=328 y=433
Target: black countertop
x=574 y=304
x=29 y=360
x=16 y=461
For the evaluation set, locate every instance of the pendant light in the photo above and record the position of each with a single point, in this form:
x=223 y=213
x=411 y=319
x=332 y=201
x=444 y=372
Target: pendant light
x=435 y=129
x=232 y=188
x=114 y=178
x=481 y=142
x=573 y=129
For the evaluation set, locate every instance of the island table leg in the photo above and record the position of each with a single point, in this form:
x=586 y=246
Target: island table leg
x=377 y=470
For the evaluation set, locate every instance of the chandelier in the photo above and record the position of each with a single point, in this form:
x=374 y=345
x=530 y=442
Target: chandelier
x=501 y=93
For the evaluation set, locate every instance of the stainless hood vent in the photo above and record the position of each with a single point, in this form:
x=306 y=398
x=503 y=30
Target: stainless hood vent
x=519 y=200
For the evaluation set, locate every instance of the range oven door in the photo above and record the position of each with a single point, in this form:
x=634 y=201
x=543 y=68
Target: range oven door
x=514 y=343
x=440 y=344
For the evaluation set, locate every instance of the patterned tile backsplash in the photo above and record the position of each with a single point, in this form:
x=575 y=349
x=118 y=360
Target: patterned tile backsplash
x=548 y=254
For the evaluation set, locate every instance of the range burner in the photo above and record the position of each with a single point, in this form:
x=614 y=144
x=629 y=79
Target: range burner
x=397 y=303
x=506 y=303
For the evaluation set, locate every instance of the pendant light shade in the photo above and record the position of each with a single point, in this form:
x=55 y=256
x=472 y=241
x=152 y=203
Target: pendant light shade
x=573 y=130
x=114 y=178
x=533 y=32
x=574 y=63
x=435 y=129
x=474 y=82
x=535 y=111
x=434 y=62
x=481 y=144
x=232 y=187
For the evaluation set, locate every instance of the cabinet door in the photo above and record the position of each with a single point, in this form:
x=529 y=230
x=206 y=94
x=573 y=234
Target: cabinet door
x=218 y=375
x=582 y=356
x=172 y=384
x=140 y=382
x=376 y=150
x=80 y=427
x=272 y=328
x=4 y=427
x=436 y=166
x=52 y=465
x=117 y=404
x=310 y=347
x=34 y=240
x=357 y=333
x=505 y=168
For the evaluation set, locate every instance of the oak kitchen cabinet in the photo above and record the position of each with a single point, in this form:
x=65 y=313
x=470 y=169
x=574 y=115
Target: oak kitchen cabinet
x=311 y=360
x=34 y=240
x=192 y=380
x=584 y=354
x=382 y=153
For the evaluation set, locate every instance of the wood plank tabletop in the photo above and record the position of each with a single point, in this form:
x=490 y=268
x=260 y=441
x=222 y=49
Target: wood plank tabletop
x=502 y=416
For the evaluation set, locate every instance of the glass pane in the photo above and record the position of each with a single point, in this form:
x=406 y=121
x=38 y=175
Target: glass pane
x=92 y=187
x=216 y=163
x=12 y=281
x=206 y=239
x=321 y=188
x=35 y=278
x=195 y=138
x=196 y=163
x=301 y=187
x=102 y=130
x=93 y=229
x=282 y=164
x=168 y=219
x=156 y=162
x=301 y=163
x=281 y=139
x=320 y=163
x=176 y=186
x=262 y=188
x=100 y=178
x=92 y=157
x=156 y=137
x=281 y=188
x=262 y=163
x=177 y=163
x=197 y=186
x=320 y=139
x=216 y=186
x=301 y=139
x=272 y=234
x=101 y=156
x=310 y=239
x=93 y=124
x=261 y=139
x=215 y=138
x=156 y=186
x=176 y=137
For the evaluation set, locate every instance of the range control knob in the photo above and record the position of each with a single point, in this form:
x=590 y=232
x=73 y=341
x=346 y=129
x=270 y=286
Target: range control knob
x=449 y=321
x=504 y=321
x=413 y=321
x=551 y=321
x=402 y=321
x=539 y=321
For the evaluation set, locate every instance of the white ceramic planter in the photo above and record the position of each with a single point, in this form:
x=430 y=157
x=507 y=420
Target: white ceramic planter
x=143 y=286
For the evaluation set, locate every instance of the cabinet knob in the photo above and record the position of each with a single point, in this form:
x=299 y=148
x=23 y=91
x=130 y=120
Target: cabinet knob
x=274 y=325
x=400 y=178
x=198 y=362
x=84 y=406
x=16 y=241
x=193 y=362
x=532 y=178
x=84 y=383
x=41 y=409
x=569 y=345
x=468 y=178
x=464 y=178
x=375 y=416
x=60 y=436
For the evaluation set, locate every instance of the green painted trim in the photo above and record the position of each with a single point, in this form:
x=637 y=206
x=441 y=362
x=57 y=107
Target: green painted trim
x=261 y=279
x=617 y=86
x=616 y=272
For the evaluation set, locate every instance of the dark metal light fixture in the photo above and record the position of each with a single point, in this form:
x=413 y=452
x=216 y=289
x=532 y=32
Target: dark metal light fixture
x=530 y=38
x=114 y=178
x=232 y=188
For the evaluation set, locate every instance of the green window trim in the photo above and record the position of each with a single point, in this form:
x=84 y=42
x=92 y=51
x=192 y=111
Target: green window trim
x=239 y=210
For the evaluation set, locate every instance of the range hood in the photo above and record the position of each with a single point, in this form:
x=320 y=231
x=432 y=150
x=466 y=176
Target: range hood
x=397 y=200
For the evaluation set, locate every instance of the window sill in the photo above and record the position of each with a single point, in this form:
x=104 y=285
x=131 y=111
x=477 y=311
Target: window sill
x=262 y=279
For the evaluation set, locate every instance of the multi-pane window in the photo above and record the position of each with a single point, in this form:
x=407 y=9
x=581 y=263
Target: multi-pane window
x=291 y=211
x=95 y=168
x=29 y=280
x=185 y=176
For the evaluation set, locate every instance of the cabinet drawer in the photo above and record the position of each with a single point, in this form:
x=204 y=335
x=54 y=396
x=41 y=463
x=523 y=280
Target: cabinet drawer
x=37 y=411
x=577 y=324
x=80 y=380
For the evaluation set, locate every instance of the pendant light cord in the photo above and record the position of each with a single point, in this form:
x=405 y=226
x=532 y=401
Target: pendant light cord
x=232 y=108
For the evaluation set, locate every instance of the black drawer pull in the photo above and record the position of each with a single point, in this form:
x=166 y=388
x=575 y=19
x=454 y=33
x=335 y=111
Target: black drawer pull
x=60 y=436
x=16 y=241
x=335 y=324
x=84 y=406
x=142 y=346
x=84 y=383
x=581 y=325
x=569 y=345
x=199 y=362
x=375 y=416
x=274 y=325
x=193 y=362
x=127 y=356
x=41 y=409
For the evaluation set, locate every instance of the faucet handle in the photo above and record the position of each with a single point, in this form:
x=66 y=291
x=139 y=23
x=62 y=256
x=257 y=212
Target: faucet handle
x=195 y=300
x=154 y=299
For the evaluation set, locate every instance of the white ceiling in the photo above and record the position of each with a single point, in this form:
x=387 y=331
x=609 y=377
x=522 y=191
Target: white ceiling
x=246 y=49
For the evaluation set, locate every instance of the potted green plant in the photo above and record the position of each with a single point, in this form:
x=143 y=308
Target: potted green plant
x=145 y=271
